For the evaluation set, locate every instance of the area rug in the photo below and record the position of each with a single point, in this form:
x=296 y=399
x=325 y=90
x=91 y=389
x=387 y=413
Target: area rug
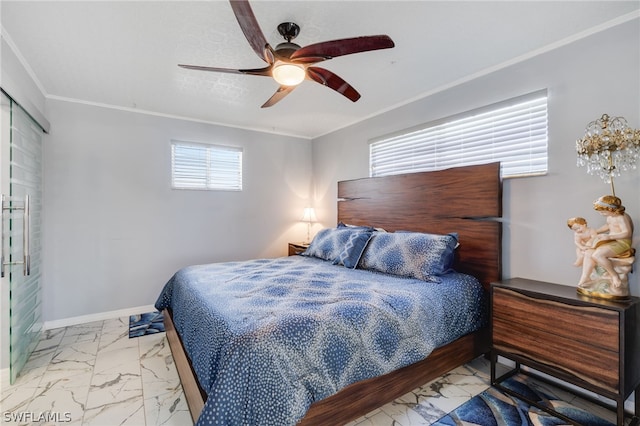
x=144 y=324
x=495 y=408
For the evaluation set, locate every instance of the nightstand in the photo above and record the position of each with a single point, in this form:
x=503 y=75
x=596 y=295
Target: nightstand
x=297 y=248
x=593 y=344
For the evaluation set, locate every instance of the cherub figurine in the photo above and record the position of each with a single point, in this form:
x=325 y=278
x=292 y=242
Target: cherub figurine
x=608 y=261
x=582 y=237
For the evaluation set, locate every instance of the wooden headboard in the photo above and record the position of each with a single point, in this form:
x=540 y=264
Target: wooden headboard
x=466 y=200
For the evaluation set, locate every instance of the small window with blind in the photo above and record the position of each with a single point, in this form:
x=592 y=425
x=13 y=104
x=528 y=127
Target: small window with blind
x=206 y=167
x=513 y=132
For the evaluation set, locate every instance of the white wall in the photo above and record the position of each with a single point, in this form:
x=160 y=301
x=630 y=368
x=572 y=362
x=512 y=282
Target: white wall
x=114 y=230
x=595 y=75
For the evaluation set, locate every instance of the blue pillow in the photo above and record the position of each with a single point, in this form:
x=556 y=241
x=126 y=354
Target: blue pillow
x=410 y=254
x=353 y=249
x=329 y=243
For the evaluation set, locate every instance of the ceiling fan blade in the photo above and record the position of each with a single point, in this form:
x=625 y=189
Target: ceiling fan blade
x=331 y=80
x=250 y=28
x=277 y=97
x=346 y=46
x=266 y=71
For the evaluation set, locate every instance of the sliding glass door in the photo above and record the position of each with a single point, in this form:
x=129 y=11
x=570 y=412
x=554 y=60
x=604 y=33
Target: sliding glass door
x=21 y=232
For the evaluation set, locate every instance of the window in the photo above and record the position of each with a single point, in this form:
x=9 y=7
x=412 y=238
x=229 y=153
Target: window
x=513 y=132
x=203 y=166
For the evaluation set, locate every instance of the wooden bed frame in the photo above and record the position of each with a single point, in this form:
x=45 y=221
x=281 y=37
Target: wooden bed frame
x=466 y=200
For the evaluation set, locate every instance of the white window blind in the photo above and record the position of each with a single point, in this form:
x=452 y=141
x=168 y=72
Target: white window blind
x=204 y=166
x=513 y=132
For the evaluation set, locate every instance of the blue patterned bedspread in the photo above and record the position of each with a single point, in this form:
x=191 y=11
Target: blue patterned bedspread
x=269 y=337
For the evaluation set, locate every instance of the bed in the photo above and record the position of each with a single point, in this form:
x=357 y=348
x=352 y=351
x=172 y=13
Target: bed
x=325 y=338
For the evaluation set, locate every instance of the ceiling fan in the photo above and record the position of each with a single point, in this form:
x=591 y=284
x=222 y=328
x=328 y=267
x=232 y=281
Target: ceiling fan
x=289 y=64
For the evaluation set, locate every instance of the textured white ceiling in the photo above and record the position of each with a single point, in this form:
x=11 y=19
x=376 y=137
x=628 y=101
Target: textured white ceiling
x=125 y=54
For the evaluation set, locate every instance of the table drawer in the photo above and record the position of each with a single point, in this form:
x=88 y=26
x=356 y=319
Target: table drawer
x=591 y=325
x=579 y=359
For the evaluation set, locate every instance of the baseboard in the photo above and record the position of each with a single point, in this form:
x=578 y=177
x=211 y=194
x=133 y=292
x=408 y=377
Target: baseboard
x=83 y=319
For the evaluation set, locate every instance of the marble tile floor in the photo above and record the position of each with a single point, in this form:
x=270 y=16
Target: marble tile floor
x=93 y=374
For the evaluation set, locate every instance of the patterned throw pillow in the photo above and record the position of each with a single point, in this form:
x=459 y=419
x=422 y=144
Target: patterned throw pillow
x=353 y=249
x=329 y=243
x=410 y=254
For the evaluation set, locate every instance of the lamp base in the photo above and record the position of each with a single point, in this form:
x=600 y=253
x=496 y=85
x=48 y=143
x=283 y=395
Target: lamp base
x=601 y=287
x=603 y=292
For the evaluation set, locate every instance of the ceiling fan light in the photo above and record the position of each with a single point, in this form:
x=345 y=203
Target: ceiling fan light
x=288 y=74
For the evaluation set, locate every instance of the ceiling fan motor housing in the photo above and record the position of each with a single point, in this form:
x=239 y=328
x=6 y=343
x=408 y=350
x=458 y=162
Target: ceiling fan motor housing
x=289 y=31
x=286 y=49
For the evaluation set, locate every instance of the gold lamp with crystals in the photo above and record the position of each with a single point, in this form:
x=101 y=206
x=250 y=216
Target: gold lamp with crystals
x=608 y=147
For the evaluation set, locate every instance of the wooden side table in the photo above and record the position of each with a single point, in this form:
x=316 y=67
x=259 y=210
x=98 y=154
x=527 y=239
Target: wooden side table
x=591 y=343
x=297 y=248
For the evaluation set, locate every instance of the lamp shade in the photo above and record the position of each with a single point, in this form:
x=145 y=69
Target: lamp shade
x=309 y=215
